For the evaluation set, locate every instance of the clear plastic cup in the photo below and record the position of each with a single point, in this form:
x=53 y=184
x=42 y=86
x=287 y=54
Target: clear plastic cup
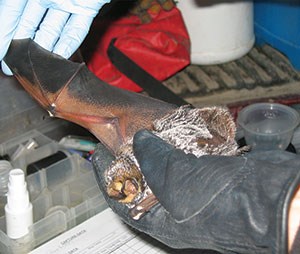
x=268 y=126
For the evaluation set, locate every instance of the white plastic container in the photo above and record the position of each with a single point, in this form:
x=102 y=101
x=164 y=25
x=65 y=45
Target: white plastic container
x=220 y=31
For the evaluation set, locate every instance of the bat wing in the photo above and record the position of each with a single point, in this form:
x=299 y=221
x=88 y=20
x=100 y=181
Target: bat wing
x=70 y=91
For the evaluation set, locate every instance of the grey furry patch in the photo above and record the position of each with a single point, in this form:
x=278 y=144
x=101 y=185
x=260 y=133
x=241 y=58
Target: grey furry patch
x=209 y=130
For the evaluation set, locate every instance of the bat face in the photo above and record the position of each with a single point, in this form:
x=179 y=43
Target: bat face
x=70 y=91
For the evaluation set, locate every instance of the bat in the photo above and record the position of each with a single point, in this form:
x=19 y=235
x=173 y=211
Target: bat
x=70 y=91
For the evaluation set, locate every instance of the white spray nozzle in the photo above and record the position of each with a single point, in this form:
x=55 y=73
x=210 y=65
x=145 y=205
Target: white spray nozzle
x=17 y=196
x=18 y=210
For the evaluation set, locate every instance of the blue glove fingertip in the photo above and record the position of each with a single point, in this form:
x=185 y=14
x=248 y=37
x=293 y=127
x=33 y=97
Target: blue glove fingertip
x=73 y=35
x=6 y=70
x=51 y=28
x=30 y=20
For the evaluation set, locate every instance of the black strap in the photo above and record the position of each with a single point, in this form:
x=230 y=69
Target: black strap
x=142 y=78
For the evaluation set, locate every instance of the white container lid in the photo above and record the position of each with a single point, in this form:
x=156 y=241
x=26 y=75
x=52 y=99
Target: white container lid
x=219 y=31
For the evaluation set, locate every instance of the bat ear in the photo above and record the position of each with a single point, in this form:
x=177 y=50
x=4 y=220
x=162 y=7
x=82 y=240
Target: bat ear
x=220 y=120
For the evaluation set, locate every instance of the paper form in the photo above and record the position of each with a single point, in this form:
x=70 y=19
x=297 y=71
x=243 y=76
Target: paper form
x=104 y=233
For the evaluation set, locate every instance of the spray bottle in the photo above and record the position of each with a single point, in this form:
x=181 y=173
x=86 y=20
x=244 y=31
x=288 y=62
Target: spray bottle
x=18 y=210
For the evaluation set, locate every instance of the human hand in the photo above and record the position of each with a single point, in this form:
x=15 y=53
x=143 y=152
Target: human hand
x=56 y=25
x=228 y=204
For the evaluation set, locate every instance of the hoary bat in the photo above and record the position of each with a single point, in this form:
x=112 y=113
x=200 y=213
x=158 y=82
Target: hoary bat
x=70 y=91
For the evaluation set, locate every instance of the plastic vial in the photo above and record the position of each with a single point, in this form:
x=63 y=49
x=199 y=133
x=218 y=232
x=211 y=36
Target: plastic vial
x=18 y=210
x=5 y=167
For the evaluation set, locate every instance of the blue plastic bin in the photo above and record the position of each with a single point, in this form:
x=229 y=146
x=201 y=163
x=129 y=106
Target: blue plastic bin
x=277 y=22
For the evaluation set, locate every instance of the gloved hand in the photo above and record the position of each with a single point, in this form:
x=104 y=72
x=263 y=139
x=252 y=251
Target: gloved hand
x=227 y=204
x=58 y=26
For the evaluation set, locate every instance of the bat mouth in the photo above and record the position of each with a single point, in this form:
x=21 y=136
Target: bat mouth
x=130 y=187
x=124 y=190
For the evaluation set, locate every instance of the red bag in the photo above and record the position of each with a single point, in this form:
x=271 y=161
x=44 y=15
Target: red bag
x=161 y=47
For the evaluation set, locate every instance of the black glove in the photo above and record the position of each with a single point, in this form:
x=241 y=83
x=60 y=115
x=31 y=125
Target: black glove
x=222 y=203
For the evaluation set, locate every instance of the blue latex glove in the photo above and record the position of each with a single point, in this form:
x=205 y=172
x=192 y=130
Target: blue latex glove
x=59 y=26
